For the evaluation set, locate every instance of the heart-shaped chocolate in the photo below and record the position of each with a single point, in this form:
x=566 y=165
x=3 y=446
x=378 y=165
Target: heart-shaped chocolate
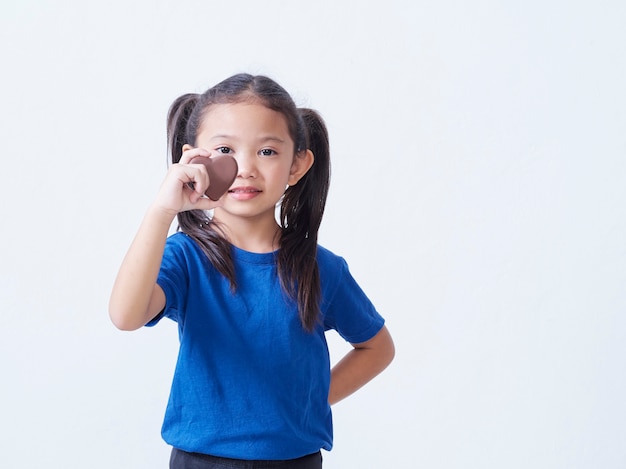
x=222 y=171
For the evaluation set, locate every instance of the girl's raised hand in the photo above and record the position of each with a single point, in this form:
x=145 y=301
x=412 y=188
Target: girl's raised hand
x=184 y=186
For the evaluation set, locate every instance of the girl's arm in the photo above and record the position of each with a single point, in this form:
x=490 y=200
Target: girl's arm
x=136 y=298
x=361 y=365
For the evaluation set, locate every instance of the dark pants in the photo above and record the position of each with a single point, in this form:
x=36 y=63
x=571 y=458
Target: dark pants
x=183 y=460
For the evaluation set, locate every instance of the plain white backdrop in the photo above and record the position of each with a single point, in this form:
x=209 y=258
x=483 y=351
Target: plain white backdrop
x=478 y=194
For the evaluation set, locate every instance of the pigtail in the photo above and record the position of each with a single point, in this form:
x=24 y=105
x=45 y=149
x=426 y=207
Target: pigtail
x=177 y=119
x=301 y=214
x=182 y=123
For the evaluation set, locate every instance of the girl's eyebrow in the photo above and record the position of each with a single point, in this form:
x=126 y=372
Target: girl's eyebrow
x=268 y=138
x=222 y=136
x=272 y=138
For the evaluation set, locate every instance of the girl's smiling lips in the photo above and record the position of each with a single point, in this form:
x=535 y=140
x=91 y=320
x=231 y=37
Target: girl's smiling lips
x=244 y=192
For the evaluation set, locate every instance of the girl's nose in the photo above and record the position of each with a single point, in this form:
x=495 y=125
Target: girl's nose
x=246 y=164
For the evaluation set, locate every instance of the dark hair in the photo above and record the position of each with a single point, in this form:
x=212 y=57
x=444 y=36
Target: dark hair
x=302 y=206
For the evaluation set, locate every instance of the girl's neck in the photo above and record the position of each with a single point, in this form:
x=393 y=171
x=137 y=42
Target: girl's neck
x=251 y=235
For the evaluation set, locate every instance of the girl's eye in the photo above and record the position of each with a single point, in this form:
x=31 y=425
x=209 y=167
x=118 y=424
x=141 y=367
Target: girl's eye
x=267 y=152
x=224 y=150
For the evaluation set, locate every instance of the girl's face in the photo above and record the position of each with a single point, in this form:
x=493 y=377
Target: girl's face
x=258 y=138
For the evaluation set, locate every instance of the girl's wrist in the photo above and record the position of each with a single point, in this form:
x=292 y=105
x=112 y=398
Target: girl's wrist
x=161 y=215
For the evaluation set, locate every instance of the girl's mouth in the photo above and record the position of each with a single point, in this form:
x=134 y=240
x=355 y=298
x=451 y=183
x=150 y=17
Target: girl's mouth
x=244 y=193
x=243 y=190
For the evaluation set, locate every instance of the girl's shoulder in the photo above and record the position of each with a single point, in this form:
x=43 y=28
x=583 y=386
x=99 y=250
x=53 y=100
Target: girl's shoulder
x=179 y=239
x=182 y=242
x=182 y=248
x=330 y=264
x=327 y=256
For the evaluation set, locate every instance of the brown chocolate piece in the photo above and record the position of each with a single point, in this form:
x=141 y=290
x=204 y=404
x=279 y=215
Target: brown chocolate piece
x=222 y=171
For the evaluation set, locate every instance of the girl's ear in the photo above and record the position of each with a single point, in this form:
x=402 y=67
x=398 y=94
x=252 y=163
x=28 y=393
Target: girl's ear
x=301 y=164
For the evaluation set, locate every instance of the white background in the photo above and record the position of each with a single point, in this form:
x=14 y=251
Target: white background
x=479 y=188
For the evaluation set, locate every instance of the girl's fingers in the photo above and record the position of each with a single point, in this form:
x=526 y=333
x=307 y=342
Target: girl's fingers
x=183 y=188
x=195 y=178
x=188 y=154
x=192 y=153
x=204 y=203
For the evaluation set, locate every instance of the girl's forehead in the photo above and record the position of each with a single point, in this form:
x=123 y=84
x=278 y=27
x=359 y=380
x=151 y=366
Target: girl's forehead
x=245 y=115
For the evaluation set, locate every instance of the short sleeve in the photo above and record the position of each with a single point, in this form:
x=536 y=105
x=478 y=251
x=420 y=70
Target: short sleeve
x=173 y=279
x=348 y=310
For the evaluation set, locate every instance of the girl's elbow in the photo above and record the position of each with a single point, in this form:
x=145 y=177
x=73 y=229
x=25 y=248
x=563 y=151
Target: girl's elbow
x=388 y=352
x=122 y=321
x=391 y=353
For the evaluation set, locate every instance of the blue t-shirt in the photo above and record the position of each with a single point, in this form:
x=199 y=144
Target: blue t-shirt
x=250 y=382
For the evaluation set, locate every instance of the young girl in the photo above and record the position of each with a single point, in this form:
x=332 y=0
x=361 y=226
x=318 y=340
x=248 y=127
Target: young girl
x=252 y=296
